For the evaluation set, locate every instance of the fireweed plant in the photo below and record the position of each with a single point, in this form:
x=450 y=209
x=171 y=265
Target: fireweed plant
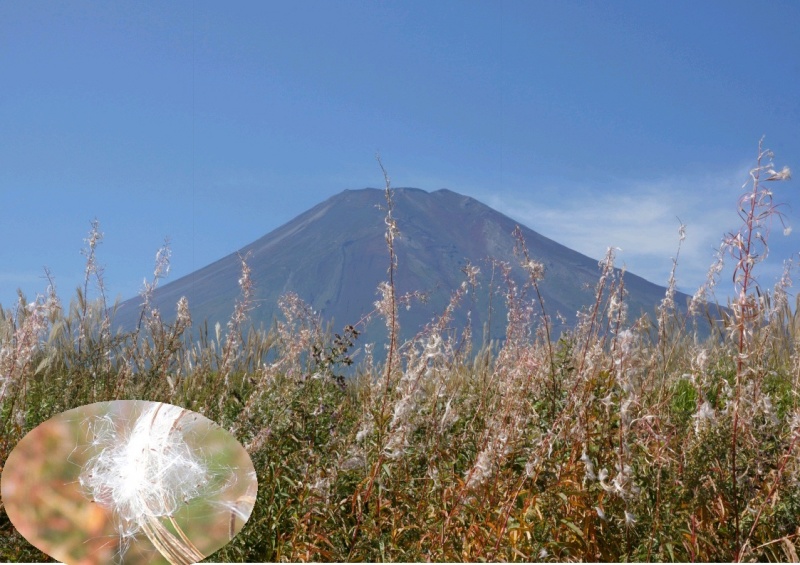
x=628 y=437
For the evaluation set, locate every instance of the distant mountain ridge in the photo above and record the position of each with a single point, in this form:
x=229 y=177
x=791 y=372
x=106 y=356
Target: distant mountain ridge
x=334 y=256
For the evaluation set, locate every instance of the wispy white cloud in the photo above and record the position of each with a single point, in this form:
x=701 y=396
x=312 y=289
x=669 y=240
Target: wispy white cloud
x=21 y=277
x=29 y=282
x=638 y=216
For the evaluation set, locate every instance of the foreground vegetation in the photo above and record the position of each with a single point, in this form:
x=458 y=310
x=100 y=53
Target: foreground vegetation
x=620 y=440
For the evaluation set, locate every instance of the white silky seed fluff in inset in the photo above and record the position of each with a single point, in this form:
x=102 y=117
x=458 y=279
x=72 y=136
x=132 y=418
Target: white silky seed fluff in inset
x=147 y=473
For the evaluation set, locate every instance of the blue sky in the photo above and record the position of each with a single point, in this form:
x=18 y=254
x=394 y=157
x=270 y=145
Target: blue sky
x=212 y=123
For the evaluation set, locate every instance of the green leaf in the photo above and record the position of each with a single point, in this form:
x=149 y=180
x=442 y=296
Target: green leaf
x=669 y=550
x=573 y=527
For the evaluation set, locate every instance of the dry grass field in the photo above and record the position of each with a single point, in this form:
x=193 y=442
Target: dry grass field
x=619 y=440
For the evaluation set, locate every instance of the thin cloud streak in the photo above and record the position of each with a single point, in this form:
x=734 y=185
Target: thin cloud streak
x=24 y=281
x=641 y=218
x=22 y=278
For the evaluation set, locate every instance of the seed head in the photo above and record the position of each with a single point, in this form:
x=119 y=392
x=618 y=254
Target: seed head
x=145 y=473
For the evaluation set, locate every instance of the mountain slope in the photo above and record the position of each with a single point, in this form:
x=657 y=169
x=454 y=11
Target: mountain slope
x=334 y=256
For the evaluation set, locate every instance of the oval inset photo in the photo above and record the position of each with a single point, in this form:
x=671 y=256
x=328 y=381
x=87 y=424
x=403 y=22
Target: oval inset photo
x=128 y=481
